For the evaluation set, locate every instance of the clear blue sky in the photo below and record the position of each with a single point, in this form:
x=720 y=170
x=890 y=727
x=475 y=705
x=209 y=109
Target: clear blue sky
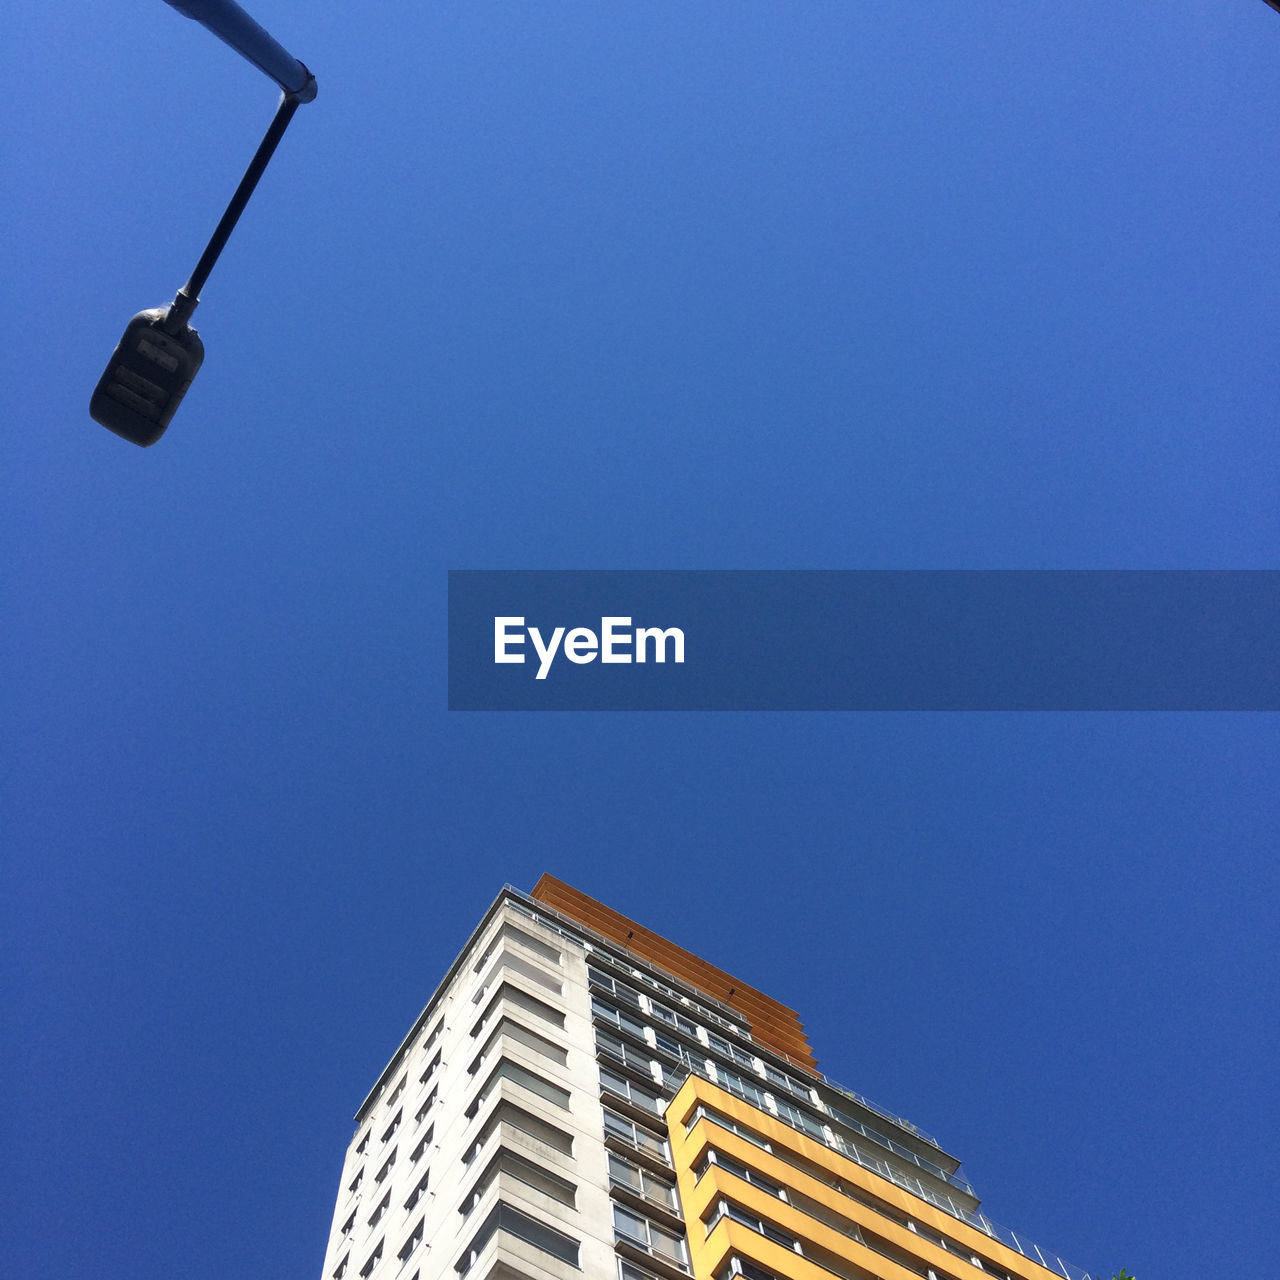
x=628 y=285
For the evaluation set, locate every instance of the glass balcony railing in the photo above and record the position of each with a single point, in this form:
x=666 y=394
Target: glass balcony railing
x=940 y=1200
x=912 y=1129
x=1015 y=1240
x=899 y=1150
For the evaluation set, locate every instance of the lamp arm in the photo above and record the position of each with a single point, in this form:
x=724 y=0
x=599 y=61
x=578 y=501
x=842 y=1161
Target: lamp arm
x=229 y=22
x=185 y=302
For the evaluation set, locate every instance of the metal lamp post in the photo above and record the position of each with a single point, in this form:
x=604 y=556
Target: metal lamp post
x=160 y=353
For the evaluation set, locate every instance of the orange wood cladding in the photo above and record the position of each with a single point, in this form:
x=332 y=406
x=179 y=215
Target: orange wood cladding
x=773 y=1024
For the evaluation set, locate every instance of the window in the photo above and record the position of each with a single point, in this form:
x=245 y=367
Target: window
x=672 y=1019
x=416 y=1154
x=350 y=1222
x=731 y=1051
x=430 y=1071
x=619 y=990
x=505 y=1217
x=510 y=962
x=622 y=1173
x=427 y=1104
x=374 y=1258
x=399 y=1089
x=513 y=933
x=669 y=1044
x=762 y=1226
x=637 y=1096
x=521 y=1035
x=535 y=1127
x=383 y=1205
x=798 y=1119
x=636 y=1059
x=836 y=1221
x=789 y=1083
x=418 y=1192
x=526 y=1079
x=736 y=1267
x=414 y=1240
x=392 y=1127
x=341 y=1269
x=739 y=1170
x=649 y=1236
x=648 y=980
x=617 y=1127
x=536 y=945
x=507 y=994
x=628 y=1270
x=616 y=1018
x=357 y=1180
x=386 y=1168
x=674 y=1077
x=364 y=1142
x=705 y=1113
x=532 y=1175
x=739 y=1087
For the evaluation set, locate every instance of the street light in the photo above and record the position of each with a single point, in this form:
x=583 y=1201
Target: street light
x=160 y=353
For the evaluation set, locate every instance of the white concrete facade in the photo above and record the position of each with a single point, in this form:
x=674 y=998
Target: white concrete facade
x=519 y=1131
x=493 y=1100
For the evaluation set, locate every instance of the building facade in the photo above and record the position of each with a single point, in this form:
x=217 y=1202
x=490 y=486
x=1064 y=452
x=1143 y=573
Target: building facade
x=583 y=1098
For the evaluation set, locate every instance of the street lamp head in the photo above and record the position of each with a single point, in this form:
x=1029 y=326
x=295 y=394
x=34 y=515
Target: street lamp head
x=147 y=376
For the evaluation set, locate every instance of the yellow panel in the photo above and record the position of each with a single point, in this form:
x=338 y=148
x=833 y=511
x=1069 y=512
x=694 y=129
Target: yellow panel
x=732 y=1237
x=707 y=1134
x=718 y=1183
x=687 y=1150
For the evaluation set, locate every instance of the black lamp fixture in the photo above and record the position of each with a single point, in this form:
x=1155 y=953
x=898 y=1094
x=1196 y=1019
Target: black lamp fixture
x=160 y=353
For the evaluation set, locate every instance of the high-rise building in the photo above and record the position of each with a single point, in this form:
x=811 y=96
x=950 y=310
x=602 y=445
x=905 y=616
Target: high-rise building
x=581 y=1097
